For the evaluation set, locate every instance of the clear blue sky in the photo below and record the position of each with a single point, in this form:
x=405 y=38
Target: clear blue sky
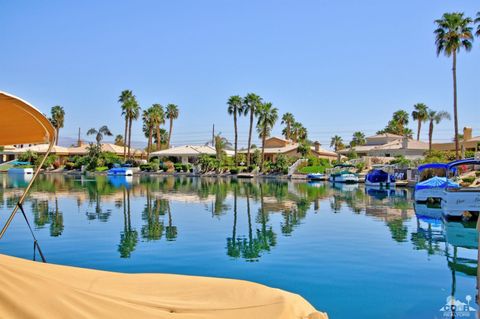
x=338 y=66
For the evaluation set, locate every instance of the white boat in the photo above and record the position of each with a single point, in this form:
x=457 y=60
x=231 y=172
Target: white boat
x=21 y=170
x=431 y=182
x=457 y=201
x=381 y=176
x=342 y=173
x=120 y=171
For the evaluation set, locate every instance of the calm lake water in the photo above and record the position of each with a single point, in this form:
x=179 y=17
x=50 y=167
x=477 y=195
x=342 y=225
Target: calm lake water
x=350 y=251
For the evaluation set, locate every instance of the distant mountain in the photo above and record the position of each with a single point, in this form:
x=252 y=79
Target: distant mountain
x=70 y=141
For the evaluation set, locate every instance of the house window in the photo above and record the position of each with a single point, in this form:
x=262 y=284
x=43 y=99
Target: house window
x=387 y=155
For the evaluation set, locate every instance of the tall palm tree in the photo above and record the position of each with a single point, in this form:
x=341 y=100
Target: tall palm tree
x=288 y=119
x=454 y=33
x=235 y=108
x=134 y=115
x=148 y=127
x=158 y=118
x=100 y=133
x=57 y=119
x=126 y=99
x=401 y=118
x=435 y=117
x=420 y=114
x=251 y=103
x=171 y=114
x=267 y=117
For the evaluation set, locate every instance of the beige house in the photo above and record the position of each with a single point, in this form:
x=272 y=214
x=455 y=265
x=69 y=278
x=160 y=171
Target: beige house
x=390 y=145
x=275 y=146
x=468 y=143
x=12 y=152
x=188 y=153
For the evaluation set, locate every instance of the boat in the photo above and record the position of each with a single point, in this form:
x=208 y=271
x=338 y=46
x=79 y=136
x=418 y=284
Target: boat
x=380 y=176
x=23 y=168
x=465 y=197
x=316 y=177
x=120 y=171
x=431 y=182
x=342 y=173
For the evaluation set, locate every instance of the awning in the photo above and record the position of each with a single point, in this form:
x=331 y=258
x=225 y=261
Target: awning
x=21 y=123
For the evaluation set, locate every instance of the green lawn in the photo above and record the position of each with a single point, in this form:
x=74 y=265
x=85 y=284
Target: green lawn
x=312 y=169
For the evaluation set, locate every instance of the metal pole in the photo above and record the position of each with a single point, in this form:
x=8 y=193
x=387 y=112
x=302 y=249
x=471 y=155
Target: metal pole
x=25 y=192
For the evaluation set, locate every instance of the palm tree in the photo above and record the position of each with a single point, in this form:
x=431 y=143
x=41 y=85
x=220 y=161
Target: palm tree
x=126 y=99
x=100 y=133
x=358 y=138
x=235 y=108
x=477 y=21
x=134 y=113
x=57 y=119
x=251 y=103
x=420 y=114
x=119 y=140
x=454 y=32
x=337 y=143
x=288 y=120
x=158 y=118
x=148 y=126
x=401 y=118
x=267 y=117
x=220 y=144
x=435 y=117
x=171 y=114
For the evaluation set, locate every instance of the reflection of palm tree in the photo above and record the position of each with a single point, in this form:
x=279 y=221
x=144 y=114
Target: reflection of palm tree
x=153 y=230
x=129 y=236
x=398 y=230
x=56 y=226
x=171 y=231
x=233 y=248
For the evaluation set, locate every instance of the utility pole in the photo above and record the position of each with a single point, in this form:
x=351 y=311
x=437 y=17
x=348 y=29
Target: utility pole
x=79 y=142
x=213 y=135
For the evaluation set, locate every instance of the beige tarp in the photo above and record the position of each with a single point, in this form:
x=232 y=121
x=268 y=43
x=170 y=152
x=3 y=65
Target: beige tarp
x=35 y=290
x=21 y=123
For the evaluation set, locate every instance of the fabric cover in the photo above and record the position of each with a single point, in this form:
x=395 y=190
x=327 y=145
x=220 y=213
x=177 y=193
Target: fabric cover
x=36 y=290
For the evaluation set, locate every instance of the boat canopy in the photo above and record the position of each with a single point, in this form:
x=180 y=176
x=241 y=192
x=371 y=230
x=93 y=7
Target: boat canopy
x=436 y=182
x=21 y=123
x=432 y=165
x=466 y=161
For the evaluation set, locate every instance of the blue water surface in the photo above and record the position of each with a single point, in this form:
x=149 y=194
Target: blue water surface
x=350 y=251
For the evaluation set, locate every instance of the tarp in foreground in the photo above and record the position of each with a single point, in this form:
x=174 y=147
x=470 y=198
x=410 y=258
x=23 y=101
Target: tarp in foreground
x=36 y=290
x=21 y=123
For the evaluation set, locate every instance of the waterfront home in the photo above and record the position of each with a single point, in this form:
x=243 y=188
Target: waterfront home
x=187 y=153
x=467 y=143
x=390 y=145
x=12 y=152
x=275 y=146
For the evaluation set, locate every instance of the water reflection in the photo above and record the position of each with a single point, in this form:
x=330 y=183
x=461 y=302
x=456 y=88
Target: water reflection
x=246 y=222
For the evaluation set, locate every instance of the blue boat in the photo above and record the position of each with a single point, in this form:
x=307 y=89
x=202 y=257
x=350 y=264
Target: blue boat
x=380 y=176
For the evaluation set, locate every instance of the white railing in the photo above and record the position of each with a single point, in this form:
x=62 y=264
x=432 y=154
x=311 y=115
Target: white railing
x=292 y=169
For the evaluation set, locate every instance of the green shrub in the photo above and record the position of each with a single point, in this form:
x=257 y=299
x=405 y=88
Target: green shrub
x=101 y=169
x=468 y=180
x=312 y=169
x=69 y=165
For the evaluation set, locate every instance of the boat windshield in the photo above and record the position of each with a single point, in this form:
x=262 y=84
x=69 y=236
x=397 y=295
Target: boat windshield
x=465 y=172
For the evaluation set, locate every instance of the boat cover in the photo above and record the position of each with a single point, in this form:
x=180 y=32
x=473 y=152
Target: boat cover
x=37 y=290
x=436 y=182
x=377 y=176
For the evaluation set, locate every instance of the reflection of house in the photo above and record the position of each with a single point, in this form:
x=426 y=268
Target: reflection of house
x=275 y=146
x=468 y=143
x=188 y=153
x=390 y=145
